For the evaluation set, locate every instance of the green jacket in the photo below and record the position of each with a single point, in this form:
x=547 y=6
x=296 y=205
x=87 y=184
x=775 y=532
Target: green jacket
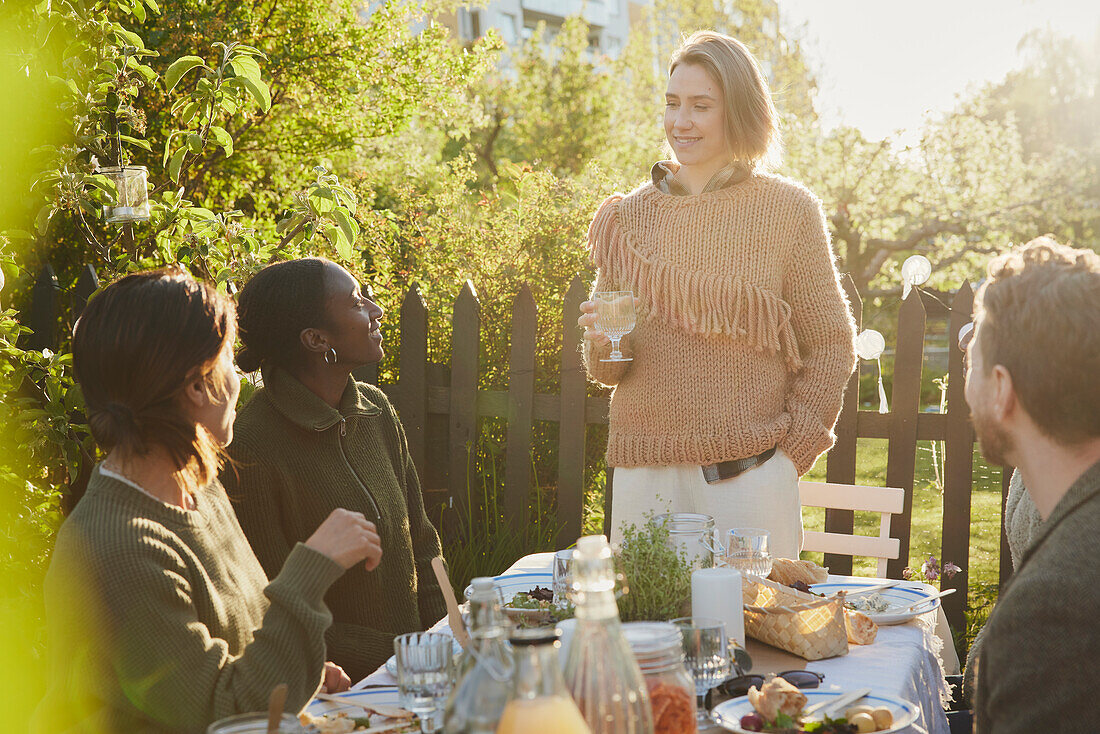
x=1040 y=645
x=294 y=460
x=161 y=620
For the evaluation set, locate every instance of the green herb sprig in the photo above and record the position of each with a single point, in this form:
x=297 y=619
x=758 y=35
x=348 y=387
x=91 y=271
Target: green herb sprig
x=656 y=572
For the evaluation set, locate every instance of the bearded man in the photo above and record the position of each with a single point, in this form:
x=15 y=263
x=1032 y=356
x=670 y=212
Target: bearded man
x=1033 y=386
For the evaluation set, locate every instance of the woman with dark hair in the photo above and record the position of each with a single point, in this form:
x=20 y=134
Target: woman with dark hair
x=314 y=438
x=743 y=342
x=160 y=618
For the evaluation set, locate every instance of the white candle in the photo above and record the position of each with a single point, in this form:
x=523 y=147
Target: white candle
x=716 y=592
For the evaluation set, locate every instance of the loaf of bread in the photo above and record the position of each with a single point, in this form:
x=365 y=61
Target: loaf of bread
x=787 y=571
x=777 y=695
x=861 y=629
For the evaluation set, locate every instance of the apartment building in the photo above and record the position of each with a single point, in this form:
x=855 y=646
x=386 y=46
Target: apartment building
x=515 y=20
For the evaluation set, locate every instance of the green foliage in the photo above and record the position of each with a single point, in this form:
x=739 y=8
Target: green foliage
x=656 y=572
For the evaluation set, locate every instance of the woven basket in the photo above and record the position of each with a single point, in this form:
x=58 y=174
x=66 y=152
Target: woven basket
x=809 y=626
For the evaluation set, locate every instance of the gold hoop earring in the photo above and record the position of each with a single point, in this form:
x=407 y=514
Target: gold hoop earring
x=330 y=352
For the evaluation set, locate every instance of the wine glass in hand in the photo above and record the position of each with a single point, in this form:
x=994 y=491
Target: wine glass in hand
x=615 y=317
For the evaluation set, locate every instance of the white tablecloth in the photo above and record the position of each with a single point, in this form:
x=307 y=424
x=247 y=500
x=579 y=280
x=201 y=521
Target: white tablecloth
x=904 y=661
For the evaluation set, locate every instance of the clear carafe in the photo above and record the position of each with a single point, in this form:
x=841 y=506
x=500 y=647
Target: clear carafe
x=601 y=671
x=485 y=672
x=540 y=702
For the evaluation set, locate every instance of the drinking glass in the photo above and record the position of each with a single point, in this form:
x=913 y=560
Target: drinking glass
x=563 y=576
x=747 y=551
x=425 y=675
x=615 y=317
x=707 y=657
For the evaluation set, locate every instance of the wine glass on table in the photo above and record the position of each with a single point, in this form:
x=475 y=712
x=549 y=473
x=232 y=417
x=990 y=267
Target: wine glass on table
x=615 y=317
x=707 y=656
x=747 y=551
x=425 y=675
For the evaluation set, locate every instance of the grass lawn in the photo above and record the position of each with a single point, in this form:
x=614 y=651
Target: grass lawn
x=925 y=536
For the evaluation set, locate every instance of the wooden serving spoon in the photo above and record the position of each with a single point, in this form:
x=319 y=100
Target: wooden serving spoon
x=275 y=706
x=454 y=616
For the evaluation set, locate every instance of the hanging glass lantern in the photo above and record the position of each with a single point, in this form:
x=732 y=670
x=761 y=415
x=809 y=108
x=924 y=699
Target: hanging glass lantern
x=132 y=203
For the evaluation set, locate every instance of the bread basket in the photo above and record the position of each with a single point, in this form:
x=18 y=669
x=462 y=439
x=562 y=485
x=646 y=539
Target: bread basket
x=808 y=626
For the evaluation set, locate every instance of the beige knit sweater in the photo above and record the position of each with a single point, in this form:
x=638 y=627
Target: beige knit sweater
x=744 y=336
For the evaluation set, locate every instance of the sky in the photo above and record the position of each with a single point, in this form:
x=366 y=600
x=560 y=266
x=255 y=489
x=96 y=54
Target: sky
x=882 y=64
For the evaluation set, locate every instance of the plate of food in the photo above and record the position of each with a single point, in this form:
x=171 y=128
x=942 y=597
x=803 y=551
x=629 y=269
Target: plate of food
x=376 y=710
x=886 y=607
x=780 y=707
x=528 y=597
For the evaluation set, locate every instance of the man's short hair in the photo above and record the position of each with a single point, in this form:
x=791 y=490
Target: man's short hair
x=1040 y=320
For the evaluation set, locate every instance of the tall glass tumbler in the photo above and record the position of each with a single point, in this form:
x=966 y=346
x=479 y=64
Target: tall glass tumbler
x=425 y=675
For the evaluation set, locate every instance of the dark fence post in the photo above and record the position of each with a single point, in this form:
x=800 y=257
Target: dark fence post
x=43 y=321
x=571 y=422
x=905 y=407
x=412 y=375
x=465 y=349
x=86 y=285
x=521 y=405
x=958 y=465
x=840 y=466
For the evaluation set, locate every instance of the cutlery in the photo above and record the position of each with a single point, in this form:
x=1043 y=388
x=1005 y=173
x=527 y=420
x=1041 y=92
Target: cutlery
x=275 y=706
x=872 y=589
x=835 y=703
x=924 y=601
x=454 y=616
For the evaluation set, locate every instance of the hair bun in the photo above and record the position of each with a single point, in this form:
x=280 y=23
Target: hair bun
x=247 y=361
x=114 y=424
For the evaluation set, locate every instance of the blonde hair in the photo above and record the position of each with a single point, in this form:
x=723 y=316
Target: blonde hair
x=752 y=124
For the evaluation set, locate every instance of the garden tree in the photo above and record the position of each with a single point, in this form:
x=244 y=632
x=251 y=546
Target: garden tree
x=963 y=192
x=550 y=104
x=1054 y=100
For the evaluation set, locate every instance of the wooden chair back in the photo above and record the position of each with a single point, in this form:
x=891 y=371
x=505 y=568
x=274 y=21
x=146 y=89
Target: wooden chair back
x=886 y=501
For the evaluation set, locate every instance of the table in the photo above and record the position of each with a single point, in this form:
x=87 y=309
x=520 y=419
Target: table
x=907 y=660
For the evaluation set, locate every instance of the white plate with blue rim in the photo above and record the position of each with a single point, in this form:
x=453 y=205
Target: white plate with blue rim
x=391 y=664
x=351 y=704
x=899 y=599
x=728 y=713
x=511 y=584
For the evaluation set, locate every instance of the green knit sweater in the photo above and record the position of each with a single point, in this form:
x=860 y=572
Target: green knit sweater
x=158 y=620
x=295 y=460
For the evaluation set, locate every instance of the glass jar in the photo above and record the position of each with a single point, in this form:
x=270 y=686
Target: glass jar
x=600 y=671
x=132 y=201
x=694 y=534
x=659 y=650
x=254 y=724
x=485 y=672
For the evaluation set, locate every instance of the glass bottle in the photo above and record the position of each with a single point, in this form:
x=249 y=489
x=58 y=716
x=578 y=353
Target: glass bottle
x=600 y=671
x=541 y=703
x=485 y=671
x=658 y=647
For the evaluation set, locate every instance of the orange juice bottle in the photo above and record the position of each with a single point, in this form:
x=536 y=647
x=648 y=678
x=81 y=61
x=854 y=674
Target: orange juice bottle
x=541 y=704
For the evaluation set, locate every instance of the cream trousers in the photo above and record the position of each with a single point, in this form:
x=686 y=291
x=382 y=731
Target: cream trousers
x=765 y=496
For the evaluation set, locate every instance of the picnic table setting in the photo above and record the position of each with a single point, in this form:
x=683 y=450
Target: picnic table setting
x=761 y=644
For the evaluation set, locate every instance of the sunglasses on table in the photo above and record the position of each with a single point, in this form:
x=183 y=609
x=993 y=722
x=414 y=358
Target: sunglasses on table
x=739 y=686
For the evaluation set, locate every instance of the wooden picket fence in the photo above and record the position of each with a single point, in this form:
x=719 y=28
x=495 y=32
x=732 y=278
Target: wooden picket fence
x=440 y=406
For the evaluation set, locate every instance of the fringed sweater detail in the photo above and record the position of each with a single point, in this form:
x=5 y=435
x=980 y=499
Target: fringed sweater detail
x=694 y=300
x=744 y=337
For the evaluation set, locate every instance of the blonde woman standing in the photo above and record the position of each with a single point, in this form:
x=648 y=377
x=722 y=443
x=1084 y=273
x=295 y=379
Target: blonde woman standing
x=743 y=342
